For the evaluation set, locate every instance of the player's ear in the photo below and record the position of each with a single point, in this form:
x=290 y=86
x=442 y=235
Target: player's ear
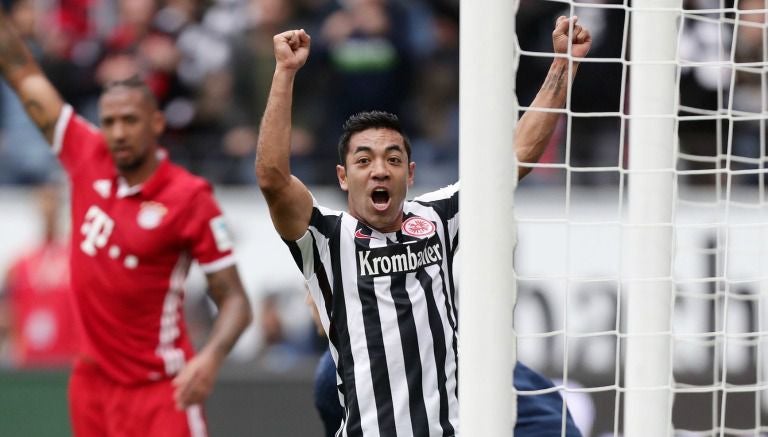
x=341 y=174
x=411 y=172
x=158 y=123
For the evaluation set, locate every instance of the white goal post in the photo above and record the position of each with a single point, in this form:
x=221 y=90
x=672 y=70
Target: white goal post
x=647 y=266
x=488 y=171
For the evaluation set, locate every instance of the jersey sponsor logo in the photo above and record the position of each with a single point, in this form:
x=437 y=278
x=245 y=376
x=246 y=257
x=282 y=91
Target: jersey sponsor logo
x=221 y=234
x=103 y=187
x=96 y=228
x=151 y=214
x=399 y=258
x=418 y=227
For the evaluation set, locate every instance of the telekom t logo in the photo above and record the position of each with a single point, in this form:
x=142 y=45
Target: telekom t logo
x=96 y=228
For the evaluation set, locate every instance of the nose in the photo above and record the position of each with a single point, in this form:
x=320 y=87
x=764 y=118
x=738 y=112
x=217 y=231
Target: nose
x=117 y=131
x=379 y=169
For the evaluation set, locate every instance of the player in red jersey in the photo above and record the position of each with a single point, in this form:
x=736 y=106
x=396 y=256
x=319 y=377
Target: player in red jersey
x=137 y=223
x=37 y=296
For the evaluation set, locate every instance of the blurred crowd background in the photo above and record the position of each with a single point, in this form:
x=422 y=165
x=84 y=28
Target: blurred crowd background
x=210 y=63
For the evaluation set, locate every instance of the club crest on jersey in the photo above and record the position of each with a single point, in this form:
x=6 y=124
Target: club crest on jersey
x=151 y=214
x=418 y=227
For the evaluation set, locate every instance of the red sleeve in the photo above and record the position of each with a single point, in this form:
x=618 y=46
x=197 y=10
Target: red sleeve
x=76 y=141
x=206 y=231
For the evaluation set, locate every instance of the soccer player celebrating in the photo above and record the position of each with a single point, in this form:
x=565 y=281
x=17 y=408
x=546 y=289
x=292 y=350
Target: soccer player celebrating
x=138 y=221
x=381 y=274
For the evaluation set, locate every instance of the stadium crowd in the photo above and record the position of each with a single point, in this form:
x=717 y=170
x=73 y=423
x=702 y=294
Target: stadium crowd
x=210 y=63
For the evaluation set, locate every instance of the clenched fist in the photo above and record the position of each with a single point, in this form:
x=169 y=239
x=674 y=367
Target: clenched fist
x=580 y=37
x=291 y=49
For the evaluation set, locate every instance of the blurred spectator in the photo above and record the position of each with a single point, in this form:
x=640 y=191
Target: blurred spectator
x=137 y=47
x=436 y=104
x=252 y=67
x=703 y=42
x=70 y=51
x=202 y=47
x=365 y=49
x=748 y=90
x=25 y=157
x=708 y=87
x=36 y=297
x=210 y=62
x=290 y=336
x=206 y=146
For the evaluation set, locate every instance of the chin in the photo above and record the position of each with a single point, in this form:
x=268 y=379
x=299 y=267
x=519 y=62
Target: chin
x=127 y=165
x=382 y=220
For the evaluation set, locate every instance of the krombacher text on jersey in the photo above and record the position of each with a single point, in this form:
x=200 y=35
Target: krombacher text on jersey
x=399 y=258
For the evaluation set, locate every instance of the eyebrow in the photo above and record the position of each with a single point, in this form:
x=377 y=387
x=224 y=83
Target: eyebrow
x=390 y=148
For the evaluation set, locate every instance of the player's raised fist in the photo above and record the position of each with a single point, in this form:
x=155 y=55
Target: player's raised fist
x=575 y=33
x=291 y=48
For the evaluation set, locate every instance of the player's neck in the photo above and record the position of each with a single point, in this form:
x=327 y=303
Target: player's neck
x=140 y=174
x=384 y=228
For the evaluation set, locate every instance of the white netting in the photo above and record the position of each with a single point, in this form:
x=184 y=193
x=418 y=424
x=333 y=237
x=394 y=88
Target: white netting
x=571 y=316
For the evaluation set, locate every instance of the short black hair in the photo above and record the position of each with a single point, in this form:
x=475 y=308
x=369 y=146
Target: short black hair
x=134 y=82
x=370 y=120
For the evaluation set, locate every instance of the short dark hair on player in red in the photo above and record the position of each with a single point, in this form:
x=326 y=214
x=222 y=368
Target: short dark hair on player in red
x=133 y=82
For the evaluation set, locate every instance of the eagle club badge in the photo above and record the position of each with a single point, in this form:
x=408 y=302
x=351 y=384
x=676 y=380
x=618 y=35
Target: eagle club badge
x=151 y=214
x=418 y=227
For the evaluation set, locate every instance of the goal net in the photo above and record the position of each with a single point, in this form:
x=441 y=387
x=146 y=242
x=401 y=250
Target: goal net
x=642 y=261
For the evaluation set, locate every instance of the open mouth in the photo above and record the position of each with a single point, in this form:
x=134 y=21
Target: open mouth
x=380 y=198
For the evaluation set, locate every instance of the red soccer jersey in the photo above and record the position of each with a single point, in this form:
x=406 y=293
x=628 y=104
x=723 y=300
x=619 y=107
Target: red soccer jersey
x=44 y=328
x=131 y=251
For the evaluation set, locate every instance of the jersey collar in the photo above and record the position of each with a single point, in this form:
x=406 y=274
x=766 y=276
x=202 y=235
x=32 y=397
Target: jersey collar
x=151 y=185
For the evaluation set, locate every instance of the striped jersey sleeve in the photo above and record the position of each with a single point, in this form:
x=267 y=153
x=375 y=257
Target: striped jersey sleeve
x=315 y=243
x=445 y=202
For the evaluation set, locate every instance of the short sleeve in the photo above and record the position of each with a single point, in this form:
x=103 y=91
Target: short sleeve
x=76 y=141
x=207 y=233
x=445 y=201
x=309 y=251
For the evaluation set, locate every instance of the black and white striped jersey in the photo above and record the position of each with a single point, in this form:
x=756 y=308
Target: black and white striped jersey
x=388 y=304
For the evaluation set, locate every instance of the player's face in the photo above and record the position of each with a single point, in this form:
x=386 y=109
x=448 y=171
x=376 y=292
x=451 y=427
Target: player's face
x=131 y=126
x=376 y=178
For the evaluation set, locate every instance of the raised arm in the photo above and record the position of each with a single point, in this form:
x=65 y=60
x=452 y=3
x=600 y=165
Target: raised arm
x=289 y=200
x=196 y=380
x=535 y=128
x=40 y=99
